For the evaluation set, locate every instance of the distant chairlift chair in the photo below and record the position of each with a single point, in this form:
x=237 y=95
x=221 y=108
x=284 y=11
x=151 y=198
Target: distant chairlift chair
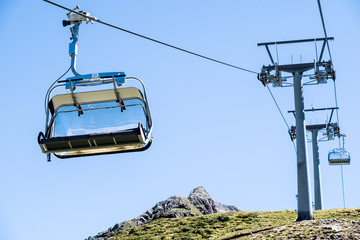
x=339 y=156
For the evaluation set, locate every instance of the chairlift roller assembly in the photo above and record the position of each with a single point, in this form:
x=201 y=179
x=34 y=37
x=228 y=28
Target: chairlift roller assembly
x=323 y=70
x=93 y=122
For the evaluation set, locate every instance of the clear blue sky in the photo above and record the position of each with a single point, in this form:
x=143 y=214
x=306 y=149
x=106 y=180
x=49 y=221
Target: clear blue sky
x=214 y=126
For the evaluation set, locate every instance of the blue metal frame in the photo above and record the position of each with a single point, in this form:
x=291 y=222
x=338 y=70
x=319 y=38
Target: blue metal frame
x=73 y=46
x=88 y=79
x=95 y=79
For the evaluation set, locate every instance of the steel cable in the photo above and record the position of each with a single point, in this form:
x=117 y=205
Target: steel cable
x=282 y=115
x=323 y=24
x=335 y=93
x=327 y=43
x=151 y=39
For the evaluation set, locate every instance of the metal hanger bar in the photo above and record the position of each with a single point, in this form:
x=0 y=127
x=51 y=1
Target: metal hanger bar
x=76 y=103
x=316 y=109
x=267 y=49
x=295 y=41
x=94 y=76
x=332 y=111
x=322 y=51
x=117 y=94
x=316 y=126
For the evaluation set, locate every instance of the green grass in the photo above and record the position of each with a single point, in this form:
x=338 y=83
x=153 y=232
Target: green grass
x=238 y=225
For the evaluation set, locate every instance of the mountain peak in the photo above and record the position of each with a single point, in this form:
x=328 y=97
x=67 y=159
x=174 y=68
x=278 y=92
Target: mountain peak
x=198 y=203
x=199 y=192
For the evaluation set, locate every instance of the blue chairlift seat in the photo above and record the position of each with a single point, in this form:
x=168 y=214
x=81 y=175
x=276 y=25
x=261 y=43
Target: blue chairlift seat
x=94 y=122
x=339 y=156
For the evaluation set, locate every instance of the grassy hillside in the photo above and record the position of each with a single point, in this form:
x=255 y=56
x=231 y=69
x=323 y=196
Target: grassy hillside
x=332 y=224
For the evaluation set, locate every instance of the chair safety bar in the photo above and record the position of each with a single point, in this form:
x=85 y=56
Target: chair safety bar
x=118 y=98
x=76 y=104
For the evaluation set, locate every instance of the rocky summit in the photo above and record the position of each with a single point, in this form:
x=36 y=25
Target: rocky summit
x=198 y=203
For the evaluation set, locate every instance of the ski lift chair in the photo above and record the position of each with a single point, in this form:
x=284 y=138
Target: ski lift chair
x=96 y=122
x=339 y=156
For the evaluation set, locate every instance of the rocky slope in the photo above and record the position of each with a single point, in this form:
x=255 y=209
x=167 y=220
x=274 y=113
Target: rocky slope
x=198 y=203
x=314 y=229
x=328 y=224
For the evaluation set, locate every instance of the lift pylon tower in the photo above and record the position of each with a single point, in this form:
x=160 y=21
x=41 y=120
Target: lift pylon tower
x=297 y=70
x=332 y=130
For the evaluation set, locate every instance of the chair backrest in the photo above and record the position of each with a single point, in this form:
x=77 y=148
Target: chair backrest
x=94 y=97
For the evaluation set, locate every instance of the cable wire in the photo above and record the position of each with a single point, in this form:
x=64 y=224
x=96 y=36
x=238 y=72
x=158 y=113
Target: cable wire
x=151 y=39
x=337 y=108
x=323 y=24
x=48 y=91
x=335 y=93
x=282 y=115
x=342 y=184
x=324 y=28
x=336 y=102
